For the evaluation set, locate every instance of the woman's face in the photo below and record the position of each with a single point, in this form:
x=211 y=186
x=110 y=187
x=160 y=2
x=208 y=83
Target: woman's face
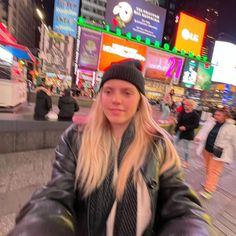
x=219 y=116
x=120 y=100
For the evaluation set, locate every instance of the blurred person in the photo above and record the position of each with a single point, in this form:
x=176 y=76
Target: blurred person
x=118 y=175
x=217 y=143
x=67 y=105
x=43 y=102
x=187 y=122
x=166 y=105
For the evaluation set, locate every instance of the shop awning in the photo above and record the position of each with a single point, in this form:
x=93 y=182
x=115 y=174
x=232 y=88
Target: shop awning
x=10 y=44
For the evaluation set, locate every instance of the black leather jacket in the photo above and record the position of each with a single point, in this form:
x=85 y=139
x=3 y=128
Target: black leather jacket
x=59 y=210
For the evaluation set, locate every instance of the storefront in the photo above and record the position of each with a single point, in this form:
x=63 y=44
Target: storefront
x=13 y=74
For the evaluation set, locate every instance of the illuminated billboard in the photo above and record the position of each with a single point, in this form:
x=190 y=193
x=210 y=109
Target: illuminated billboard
x=190 y=34
x=137 y=17
x=115 y=49
x=204 y=75
x=89 y=49
x=163 y=66
x=65 y=17
x=224 y=62
x=189 y=77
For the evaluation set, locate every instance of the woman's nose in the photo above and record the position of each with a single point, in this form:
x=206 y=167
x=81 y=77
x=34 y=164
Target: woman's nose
x=116 y=98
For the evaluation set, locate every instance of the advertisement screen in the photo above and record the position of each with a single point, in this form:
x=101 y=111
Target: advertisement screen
x=163 y=66
x=65 y=17
x=204 y=74
x=56 y=53
x=137 y=17
x=190 y=38
x=89 y=49
x=190 y=73
x=115 y=49
x=224 y=62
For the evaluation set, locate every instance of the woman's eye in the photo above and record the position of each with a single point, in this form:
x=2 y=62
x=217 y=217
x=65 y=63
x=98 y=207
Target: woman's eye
x=107 y=91
x=128 y=93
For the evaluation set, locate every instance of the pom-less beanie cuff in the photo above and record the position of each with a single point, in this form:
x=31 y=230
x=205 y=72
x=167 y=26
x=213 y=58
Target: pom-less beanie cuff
x=128 y=70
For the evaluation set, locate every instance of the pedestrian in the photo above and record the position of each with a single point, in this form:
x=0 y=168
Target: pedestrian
x=187 y=122
x=119 y=175
x=67 y=105
x=43 y=102
x=217 y=143
x=166 y=105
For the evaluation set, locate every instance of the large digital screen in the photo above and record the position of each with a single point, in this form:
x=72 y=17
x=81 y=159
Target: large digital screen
x=115 y=49
x=190 y=34
x=89 y=49
x=224 y=62
x=204 y=75
x=137 y=17
x=190 y=73
x=65 y=17
x=163 y=66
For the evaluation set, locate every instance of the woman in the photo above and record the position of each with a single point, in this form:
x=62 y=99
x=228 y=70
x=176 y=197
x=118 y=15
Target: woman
x=166 y=105
x=119 y=175
x=217 y=140
x=187 y=121
x=67 y=105
x=43 y=103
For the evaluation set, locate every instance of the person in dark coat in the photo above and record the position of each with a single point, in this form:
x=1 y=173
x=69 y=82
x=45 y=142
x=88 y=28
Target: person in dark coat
x=119 y=175
x=67 y=105
x=43 y=103
x=187 y=121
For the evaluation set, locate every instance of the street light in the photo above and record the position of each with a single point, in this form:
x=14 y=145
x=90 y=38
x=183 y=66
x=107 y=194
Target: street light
x=40 y=14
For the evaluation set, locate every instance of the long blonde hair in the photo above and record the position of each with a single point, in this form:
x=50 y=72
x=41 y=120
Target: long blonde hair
x=94 y=155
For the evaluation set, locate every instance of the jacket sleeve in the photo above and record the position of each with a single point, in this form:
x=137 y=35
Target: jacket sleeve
x=49 y=102
x=76 y=106
x=50 y=210
x=59 y=103
x=179 y=211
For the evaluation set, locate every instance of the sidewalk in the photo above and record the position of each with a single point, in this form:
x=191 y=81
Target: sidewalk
x=22 y=173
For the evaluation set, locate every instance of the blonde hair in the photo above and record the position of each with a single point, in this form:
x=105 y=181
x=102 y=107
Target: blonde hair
x=191 y=102
x=94 y=156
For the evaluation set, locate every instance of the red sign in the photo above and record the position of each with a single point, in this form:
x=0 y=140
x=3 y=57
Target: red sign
x=115 y=49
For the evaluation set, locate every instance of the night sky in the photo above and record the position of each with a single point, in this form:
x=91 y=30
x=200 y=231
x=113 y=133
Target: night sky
x=227 y=18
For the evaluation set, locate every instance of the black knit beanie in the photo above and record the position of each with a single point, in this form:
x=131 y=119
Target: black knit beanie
x=128 y=70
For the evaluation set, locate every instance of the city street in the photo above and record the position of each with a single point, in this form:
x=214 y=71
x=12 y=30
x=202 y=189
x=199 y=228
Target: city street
x=22 y=173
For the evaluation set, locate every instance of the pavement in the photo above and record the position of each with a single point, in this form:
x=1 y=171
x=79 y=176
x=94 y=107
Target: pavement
x=24 y=172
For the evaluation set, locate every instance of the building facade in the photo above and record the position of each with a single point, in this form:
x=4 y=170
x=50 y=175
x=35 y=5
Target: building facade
x=93 y=11
x=3 y=11
x=21 y=21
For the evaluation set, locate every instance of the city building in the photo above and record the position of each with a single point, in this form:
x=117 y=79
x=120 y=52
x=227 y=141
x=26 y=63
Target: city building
x=93 y=11
x=209 y=12
x=3 y=11
x=21 y=21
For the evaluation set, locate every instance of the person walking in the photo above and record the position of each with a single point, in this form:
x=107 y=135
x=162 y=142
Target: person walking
x=43 y=102
x=67 y=105
x=166 y=105
x=118 y=175
x=187 y=122
x=217 y=143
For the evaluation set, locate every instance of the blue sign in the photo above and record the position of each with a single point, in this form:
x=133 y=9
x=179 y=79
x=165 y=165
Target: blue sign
x=65 y=17
x=137 y=17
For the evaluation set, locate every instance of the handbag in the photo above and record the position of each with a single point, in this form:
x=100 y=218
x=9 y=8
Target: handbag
x=52 y=116
x=217 y=151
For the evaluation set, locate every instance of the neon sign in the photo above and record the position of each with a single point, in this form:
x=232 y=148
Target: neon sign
x=174 y=62
x=123 y=51
x=140 y=40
